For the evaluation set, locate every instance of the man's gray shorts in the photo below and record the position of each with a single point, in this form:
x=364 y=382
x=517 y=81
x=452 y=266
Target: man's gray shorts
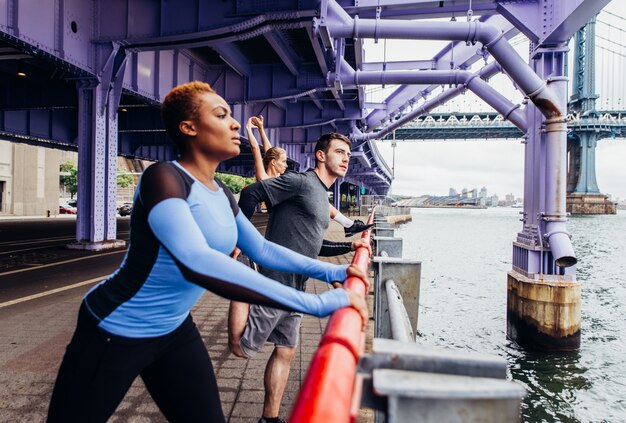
x=270 y=324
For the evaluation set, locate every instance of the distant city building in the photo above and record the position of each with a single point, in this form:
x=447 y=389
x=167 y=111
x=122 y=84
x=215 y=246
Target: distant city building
x=464 y=192
x=474 y=193
x=452 y=192
x=483 y=193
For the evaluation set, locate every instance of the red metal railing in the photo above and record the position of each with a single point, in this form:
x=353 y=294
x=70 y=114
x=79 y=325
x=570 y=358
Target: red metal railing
x=330 y=392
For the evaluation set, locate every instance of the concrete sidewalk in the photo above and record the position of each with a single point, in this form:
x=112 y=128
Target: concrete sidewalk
x=33 y=339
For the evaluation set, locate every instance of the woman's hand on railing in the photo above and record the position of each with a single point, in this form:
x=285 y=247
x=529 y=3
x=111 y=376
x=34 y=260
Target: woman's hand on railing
x=358 y=303
x=353 y=270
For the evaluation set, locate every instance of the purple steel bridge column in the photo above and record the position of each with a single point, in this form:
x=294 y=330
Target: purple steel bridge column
x=543 y=296
x=96 y=224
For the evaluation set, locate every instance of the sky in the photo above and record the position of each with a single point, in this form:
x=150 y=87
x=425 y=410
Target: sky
x=433 y=167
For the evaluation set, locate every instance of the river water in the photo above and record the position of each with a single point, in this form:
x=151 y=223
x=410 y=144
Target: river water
x=465 y=257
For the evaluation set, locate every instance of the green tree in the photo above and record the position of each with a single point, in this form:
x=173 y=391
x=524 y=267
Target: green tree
x=235 y=183
x=69 y=177
x=124 y=180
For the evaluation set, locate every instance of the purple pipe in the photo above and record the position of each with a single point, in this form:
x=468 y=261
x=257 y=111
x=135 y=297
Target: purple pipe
x=486 y=72
x=463 y=79
x=425 y=107
x=556 y=184
x=342 y=25
x=550 y=102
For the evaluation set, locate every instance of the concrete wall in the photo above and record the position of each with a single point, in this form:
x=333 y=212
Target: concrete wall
x=31 y=176
x=29 y=179
x=6 y=176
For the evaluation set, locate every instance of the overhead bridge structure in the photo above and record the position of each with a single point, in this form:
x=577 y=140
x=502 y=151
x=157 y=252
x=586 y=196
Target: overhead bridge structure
x=90 y=75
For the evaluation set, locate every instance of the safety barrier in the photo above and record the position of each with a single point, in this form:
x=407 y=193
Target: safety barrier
x=331 y=391
x=403 y=382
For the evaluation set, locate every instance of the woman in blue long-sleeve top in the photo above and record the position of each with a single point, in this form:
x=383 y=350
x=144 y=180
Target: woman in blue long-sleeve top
x=183 y=226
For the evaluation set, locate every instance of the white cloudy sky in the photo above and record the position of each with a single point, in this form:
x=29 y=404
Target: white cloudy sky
x=434 y=167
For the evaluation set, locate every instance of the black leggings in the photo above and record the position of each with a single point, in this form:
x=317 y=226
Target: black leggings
x=98 y=369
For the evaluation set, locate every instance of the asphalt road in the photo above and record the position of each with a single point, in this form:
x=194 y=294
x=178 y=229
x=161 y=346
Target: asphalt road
x=35 y=263
x=34 y=259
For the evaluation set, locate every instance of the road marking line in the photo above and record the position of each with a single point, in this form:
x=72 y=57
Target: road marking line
x=27 y=249
x=50 y=239
x=60 y=262
x=52 y=291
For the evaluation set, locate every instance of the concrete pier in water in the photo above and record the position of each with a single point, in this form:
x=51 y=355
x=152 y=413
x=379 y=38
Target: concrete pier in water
x=544 y=314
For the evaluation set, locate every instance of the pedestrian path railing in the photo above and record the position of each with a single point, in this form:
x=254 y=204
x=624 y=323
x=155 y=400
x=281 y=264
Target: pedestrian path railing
x=404 y=382
x=331 y=390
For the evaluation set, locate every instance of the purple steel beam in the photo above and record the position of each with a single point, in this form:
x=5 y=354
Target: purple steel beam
x=419 y=9
x=234 y=58
x=230 y=33
x=472 y=81
x=42 y=28
x=485 y=73
x=284 y=51
x=340 y=24
x=460 y=54
x=551 y=23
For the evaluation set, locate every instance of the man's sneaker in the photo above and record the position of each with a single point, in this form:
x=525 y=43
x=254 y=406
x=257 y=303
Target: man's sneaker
x=357 y=226
x=264 y=420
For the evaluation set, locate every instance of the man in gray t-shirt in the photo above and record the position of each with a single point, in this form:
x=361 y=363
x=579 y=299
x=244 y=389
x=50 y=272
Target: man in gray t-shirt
x=298 y=219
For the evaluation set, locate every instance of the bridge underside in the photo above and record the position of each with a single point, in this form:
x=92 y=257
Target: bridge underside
x=89 y=76
x=262 y=57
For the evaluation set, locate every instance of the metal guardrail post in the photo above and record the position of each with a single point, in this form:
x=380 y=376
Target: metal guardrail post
x=388 y=232
x=407 y=383
x=406 y=274
x=391 y=245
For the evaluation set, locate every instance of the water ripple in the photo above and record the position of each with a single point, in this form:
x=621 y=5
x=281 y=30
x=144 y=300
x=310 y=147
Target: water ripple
x=464 y=305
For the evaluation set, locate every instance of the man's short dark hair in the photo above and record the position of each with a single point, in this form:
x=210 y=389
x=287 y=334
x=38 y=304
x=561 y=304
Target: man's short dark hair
x=323 y=142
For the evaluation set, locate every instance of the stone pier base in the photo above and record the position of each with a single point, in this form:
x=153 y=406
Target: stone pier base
x=543 y=315
x=590 y=204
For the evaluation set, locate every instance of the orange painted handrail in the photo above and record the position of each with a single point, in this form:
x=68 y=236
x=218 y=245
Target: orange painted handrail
x=327 y=392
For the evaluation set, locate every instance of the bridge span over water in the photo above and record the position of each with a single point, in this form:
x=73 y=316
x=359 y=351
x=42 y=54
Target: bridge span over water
x=89 y=76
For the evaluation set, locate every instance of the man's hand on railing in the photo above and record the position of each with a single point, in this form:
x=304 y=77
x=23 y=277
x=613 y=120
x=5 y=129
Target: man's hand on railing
x=358 y=243
x=351 y=271
x=358 y=303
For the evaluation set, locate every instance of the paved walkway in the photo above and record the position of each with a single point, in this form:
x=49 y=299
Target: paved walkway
x=33 y=338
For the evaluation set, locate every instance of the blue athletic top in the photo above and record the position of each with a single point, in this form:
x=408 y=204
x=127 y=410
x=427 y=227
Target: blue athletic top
x=181 y=236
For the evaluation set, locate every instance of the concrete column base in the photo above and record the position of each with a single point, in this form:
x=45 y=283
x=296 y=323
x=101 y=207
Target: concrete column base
x=544 y=314
x=590 y=204
x=97 y=246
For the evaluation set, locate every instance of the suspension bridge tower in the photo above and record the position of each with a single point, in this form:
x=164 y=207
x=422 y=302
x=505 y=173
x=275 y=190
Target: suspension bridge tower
x=583 y=194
